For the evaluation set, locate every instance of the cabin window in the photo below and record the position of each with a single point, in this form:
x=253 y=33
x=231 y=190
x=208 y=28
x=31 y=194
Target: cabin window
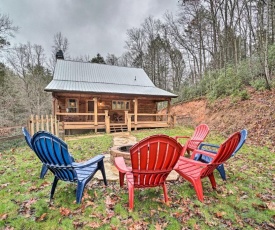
x=120 y=105
x=72 y=106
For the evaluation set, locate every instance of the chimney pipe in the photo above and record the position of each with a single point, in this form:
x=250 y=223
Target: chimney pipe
x=59 y=55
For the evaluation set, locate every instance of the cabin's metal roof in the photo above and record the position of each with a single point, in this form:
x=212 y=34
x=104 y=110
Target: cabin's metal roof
x=88 y=77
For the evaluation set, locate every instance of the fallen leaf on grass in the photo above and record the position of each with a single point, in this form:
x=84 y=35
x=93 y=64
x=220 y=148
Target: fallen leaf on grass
x=220 y=214
x=3 y=216
x=259 y=206
x=64 y=211
x=271 y=206
x=42 y=217
x=33 y=188
x=4 y=185
x=78 y=224
x=93 y=225
x=95 y=194
x=25 y=207
x=157 y=226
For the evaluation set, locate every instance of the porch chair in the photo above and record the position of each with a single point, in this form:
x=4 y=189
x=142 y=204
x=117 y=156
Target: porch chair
x=53 y=152
x=152 y=159
x=207 y=159
x=194 y=171
x=28 y=138
x=193 y=142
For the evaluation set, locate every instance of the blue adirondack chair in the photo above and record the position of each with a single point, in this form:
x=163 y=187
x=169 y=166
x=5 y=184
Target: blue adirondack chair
x=207 y=159
x=53 y=152
x=28 y=138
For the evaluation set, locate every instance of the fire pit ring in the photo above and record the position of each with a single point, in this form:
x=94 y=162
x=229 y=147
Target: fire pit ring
x=121 y=151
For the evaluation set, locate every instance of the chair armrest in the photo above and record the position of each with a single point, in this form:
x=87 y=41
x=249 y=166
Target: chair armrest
x=177 y=137
x=184 y=159
x=196 y=140
x=202 y=145
x=120 y=165
x=203 y=152
x=92 y=161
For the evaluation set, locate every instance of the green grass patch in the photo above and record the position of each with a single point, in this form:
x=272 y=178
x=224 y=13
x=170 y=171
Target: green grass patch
x=244 y=201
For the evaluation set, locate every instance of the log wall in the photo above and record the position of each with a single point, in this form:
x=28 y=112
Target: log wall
x=104 y=102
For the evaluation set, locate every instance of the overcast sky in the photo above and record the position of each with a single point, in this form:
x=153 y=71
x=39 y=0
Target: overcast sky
x=91 y=26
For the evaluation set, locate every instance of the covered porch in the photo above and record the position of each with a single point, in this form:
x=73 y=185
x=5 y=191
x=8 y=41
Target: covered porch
x=103 y=114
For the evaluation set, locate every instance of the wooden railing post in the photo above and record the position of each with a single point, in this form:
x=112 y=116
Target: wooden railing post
x=126 y=117
x=32 y=125
x=107 y=121
x=51 y=119
x=37 y=123
x=129 y=123
x=42 y=122
x=56 y=123
x=47 y=123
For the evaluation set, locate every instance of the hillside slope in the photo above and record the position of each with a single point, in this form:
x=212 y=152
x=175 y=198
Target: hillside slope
x=257 y=115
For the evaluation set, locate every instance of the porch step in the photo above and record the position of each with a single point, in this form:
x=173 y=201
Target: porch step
x=118 y=128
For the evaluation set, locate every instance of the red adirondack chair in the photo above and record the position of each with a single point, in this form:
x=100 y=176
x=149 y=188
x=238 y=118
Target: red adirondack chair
x=194 y=171
x=153 y=158
x=192 y=143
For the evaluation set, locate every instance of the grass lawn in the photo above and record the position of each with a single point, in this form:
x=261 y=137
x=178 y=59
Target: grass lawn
x=245 y=201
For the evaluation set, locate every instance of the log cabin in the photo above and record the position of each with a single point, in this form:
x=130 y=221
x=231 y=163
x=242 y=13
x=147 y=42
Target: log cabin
x=91 y=96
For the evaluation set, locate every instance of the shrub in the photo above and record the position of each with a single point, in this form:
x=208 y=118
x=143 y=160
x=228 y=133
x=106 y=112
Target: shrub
x=258 y=84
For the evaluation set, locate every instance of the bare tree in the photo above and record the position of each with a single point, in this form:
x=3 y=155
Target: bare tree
x=28 y=64
x=111 y=59
x=7 y=31
x=59 y=43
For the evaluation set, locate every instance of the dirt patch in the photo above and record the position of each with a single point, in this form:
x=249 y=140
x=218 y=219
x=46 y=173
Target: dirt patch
x=257 y=115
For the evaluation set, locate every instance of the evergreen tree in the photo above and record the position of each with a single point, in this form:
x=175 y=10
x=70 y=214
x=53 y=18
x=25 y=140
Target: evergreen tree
x=98 y=59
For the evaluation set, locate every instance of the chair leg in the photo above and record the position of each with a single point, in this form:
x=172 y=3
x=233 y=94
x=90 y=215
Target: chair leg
x=79 y=191
x=212 y=180
x=102 y=169
x=121 y=179
x=198 y=188
x=43 y=172
x=131 y=196
x=54 y=186
x=221 y=170
x=165 y=192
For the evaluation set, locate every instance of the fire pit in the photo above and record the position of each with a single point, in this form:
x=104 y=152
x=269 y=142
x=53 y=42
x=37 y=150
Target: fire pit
x=121 y=151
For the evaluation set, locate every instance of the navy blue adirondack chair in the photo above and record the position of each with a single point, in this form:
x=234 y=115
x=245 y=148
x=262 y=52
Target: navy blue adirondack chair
x=28 y=138
x=53 y=152
x=207 y=159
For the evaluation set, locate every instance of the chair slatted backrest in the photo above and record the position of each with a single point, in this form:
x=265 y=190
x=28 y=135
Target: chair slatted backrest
x=27 y=137
x=53 y=152
x=242 y=141
x=200 y=133
x=153 y=158
x=224 y=153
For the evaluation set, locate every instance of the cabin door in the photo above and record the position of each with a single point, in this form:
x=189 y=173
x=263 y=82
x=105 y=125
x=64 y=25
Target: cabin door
x=90 y=109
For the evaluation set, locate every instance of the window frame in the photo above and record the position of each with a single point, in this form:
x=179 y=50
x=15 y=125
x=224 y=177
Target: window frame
x=123 y=104
x=69 y=106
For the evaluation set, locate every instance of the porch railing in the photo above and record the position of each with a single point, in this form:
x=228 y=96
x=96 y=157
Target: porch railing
x=48 y=123
x=68 y=121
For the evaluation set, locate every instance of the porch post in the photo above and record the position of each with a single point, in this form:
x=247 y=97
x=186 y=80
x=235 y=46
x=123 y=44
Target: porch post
x=168 y=112
x=135 y=112
x=126 y=117
x=53 y=105
x=107 y=121
x=129 y=123
x=95 y=112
